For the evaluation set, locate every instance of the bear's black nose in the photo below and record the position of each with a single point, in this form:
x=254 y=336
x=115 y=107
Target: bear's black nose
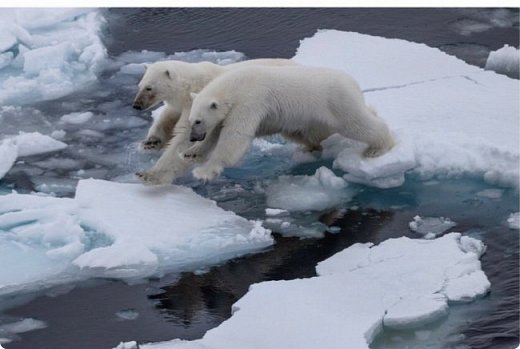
x=138 y=106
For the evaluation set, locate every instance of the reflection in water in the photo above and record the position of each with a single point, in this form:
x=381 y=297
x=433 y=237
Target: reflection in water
x=213 y=293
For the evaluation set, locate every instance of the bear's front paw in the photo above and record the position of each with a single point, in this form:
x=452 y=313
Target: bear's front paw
x=206 y=173
x=152 y=143
x=154 y=177
x=193 y=154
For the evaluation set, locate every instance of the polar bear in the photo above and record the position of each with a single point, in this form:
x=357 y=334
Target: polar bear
x=306 y=104
x=172 y=82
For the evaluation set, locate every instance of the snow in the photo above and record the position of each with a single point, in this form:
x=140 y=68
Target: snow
x=301 y=193
x=116 y=230
x=505 y=61
x=431 y=226
x=448 y=117
x=401 y=283
x=48 y=53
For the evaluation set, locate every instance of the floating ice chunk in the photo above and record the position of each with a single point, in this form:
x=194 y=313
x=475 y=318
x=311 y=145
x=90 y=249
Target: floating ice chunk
x=431 y=225
x=398 y=283
x=58 y=134
x=410 y=313
x=300 y=193
x=48 y=53
x=130 y=213
x=491 y=193
x=23 y=326
x=34 y=143
x=127 y=345
x=275 y=212
x=386 y=171
x=133 y=69
x=77 y=118
x=451 y=132
x=514 y=220
x=467 y=287
x=505 y=61
x=8 y=155
x=116 y=230
x=127 y=314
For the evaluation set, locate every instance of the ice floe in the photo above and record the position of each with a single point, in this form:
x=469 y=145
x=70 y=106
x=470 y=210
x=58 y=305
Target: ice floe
x=400 y=283
x=48 y=53
x=116 y=230
x=442 y=110
x=505 y=61
x=25 y=144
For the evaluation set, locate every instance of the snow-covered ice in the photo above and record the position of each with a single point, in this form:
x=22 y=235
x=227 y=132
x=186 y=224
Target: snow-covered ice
x=505 y=61
x=440 y=109
x=431 y=226
x=400 y=283
x=116 y=230
x=48 y=53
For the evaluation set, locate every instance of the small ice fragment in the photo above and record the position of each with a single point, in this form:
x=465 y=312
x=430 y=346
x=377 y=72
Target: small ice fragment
x=58 y=134
x=491 y=193
x=275 y=212
x=76 y=118
x=431 y=225
x=127 y=345
x=514 y=220
x=334 y=229
x=127 y=314
x=23 y=326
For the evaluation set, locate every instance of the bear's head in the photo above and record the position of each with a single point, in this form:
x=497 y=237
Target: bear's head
x=207 y=112
x=159 y=83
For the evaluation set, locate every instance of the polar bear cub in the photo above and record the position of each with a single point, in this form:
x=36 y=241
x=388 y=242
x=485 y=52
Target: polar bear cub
x=172 y=82
x=306 y=104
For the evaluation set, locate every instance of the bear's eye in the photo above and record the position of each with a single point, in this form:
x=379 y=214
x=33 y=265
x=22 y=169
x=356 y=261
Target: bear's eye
x=197 y=122
x=213 y=105
x=148 y=88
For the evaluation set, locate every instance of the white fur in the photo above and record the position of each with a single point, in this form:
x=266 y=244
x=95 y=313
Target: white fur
x=303 y=103
x=172 y=82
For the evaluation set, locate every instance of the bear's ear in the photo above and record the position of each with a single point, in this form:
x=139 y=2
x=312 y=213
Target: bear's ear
x=193 y=95
x=145 y=65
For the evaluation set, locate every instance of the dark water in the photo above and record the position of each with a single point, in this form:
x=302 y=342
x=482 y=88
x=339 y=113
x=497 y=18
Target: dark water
x=186 y=306
x=267 y=32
